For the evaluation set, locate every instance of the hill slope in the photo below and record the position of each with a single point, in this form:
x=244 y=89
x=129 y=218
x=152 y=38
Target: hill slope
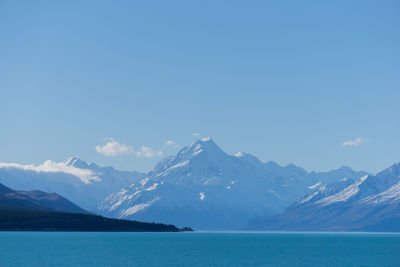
x=35 y=200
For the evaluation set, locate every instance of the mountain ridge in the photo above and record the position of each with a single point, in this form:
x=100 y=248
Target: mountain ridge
x=369 y=203
x=202 y=181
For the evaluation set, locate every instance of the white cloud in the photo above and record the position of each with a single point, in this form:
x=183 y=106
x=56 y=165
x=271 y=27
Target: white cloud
x=170 y=143
x=196 y=135
x=357 y=142
x=147 y=152
x=112 y=148
x=85 y=175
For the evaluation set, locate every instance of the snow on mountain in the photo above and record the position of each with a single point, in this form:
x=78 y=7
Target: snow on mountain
x=344 y=194
x=369 y=203
x=84 y=184
x=368 y=188
x=201 y=186
x=322 y=191
x=205 y=188
x=392 y=194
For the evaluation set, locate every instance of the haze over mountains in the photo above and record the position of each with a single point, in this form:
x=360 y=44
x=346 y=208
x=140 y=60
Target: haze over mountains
x=201 y=187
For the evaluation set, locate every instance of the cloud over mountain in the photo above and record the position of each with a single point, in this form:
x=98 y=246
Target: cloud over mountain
x=85 y=175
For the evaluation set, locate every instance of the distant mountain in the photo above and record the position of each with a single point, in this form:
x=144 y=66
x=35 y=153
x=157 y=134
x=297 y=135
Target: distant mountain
x=201 y=186
x=343 y=172
x=35 y=201
x=84 y=184
x=206 y=188
x=371 y=203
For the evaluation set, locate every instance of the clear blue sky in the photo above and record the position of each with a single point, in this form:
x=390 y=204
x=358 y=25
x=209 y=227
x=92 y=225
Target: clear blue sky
x=288 y=81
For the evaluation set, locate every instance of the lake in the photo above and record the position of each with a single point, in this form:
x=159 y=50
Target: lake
x=198 y=249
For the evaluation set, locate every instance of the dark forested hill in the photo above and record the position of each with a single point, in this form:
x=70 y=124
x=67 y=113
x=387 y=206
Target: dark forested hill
x=40 y=211
x=29 y=220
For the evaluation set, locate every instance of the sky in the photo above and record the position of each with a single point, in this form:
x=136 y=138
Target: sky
x=125 y=83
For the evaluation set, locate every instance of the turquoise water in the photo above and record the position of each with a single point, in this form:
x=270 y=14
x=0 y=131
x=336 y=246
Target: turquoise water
x=198 y=249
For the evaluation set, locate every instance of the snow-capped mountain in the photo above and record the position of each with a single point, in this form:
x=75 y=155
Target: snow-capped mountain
x=369 y=203
x=205 y=188
x=84 y=184
x=201 y=186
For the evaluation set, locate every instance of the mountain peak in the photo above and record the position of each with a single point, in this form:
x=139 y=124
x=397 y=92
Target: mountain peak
x=345 y=168
x=240 y=154
x=247 y=157
x=206 y=144
x=76 y=162
x=200 y=149
x=206 y=139
x=392 y=170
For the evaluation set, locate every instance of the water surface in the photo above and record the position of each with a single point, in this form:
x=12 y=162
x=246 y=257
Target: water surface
x=198 y=249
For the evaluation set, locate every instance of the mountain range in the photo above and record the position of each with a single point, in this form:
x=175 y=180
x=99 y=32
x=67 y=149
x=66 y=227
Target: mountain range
x=371 y=203
x=205 y=188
